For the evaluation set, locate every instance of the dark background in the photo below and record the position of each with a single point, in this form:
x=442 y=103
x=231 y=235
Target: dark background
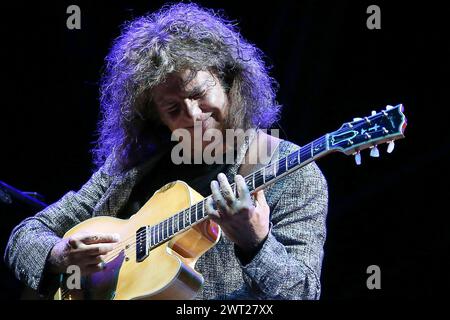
x=390 y=212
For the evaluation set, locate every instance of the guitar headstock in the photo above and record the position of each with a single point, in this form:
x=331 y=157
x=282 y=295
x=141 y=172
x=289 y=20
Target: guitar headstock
x=368 y=132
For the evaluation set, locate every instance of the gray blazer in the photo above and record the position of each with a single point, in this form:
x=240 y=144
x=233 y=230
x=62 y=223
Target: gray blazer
x=287 y=266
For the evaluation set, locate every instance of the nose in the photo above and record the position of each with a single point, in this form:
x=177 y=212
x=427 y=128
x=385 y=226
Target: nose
x=193 y=109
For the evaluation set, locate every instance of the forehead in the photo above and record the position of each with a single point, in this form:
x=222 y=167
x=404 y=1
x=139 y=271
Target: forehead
x=182 y=83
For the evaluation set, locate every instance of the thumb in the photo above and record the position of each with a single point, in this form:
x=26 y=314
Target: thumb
x=261 y=199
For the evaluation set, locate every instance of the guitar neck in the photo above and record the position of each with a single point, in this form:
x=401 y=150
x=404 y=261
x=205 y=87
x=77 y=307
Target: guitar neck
x=255 y=181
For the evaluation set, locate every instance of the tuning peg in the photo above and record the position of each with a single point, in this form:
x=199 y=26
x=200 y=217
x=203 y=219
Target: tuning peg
x=357 y=158
x=357 y=119
x=389 y=107
x=391 y=146
x=374 y=112
x=374 y=152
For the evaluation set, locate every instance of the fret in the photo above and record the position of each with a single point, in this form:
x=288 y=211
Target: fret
x=154 y=236
x=170 y=224
x=248 y=182
x=142 y=248
x=202 y=208
x=275 y=169
x=192 y=214
x=291 y=160
x=160 y=232
x=268 y=173
x=187 y=218
x=298 y=155
x=167 y=223
x=264 y=174
x=180 y=221
x=259 y=178
x=169 y=227
x=164 y=224
x=253 y=182
x=150 y=237
x=304 y=156
x=164 y=229
x=281 y=167
x=319 y=145
x=175 y=224
x=158 y=239
x=196 y=212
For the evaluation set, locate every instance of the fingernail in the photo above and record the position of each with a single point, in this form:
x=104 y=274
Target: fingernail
x=116 y=237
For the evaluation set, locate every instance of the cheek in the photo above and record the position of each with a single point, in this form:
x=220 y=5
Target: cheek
x=172 y=123
x=168 y=121
x=218 y=103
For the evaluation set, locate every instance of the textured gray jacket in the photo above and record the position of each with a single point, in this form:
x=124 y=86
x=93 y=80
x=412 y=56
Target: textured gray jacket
x=287 y=266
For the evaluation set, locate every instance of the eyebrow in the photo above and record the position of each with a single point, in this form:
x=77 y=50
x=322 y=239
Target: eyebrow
x=198 y=89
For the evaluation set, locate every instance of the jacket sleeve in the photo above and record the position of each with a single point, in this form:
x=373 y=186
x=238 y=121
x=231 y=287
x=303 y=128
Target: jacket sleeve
x=32 y=240
x=288 y=264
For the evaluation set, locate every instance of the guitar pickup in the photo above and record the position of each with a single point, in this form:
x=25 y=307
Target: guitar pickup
x=142 y=247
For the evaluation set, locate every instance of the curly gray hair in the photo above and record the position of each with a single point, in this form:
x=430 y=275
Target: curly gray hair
x=177 y=37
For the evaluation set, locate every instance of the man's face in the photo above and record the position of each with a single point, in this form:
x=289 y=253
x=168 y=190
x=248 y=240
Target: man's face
x=201 y=102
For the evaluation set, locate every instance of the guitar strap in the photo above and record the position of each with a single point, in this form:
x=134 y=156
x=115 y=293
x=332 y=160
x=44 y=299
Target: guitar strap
x=262 y=149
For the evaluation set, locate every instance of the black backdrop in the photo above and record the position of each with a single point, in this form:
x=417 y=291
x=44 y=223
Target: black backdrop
x=389 y=212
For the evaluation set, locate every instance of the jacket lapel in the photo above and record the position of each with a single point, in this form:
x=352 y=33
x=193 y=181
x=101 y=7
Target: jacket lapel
x=120 y=189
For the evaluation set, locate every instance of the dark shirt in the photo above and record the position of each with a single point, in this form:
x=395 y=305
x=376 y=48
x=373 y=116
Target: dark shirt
x=197 y=176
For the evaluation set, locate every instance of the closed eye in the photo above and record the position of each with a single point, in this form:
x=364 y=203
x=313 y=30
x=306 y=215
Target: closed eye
x=198 y=95
x=170 y=108
x=173 y=110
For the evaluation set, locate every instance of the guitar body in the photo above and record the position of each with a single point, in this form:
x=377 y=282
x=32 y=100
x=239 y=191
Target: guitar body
x=168 y=270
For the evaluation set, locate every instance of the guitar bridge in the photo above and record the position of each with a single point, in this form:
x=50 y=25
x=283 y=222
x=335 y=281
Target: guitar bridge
x=142 y=247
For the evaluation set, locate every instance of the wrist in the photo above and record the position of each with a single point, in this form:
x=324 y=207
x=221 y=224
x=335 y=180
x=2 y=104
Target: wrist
x=246 y=253
x=54 y=261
